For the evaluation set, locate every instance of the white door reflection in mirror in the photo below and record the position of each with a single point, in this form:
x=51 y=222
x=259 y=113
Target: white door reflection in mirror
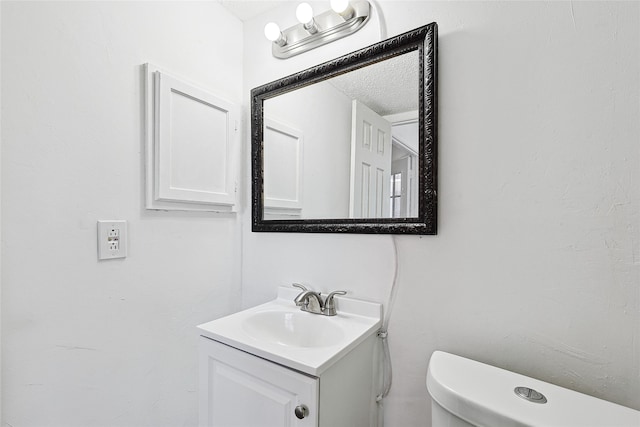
x=370 y=163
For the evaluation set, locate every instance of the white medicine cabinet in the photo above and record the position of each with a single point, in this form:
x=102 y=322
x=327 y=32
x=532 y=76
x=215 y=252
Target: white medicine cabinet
x=192 y=146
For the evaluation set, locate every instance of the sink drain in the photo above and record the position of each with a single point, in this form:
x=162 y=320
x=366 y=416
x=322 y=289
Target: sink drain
x=530 y=394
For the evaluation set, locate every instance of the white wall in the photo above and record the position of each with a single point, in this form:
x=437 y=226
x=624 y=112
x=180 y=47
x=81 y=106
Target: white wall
x=0 y=224
x=110 y=343
x=535 y=267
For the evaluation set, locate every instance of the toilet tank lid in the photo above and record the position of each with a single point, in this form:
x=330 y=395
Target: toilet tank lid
x=484 y=395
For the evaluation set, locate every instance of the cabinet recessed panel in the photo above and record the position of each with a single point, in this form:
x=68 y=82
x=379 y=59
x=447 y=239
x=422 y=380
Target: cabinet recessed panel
x=231 y=385
x=195 y=161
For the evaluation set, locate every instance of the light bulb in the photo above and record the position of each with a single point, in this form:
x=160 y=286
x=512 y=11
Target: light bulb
x=304 y=13
x=343 y=8
x=339 y=6
x=272 y=31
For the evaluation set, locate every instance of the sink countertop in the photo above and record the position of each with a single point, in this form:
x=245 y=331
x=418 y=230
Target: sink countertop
x=357 y=319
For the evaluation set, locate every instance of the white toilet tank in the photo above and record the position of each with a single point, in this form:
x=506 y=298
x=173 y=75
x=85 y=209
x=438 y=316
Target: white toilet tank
x=469 y=393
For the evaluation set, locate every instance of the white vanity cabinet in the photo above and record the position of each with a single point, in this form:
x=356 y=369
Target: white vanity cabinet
x=275 y=366
x=239 y=389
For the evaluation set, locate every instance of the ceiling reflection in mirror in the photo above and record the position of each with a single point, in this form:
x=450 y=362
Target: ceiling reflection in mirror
x=346 y=147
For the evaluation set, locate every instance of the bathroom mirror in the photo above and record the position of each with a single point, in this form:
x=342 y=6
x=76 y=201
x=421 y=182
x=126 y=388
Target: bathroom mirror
x=351 y=144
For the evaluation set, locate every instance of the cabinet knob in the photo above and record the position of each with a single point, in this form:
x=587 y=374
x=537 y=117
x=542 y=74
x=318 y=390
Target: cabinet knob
x=301 y=411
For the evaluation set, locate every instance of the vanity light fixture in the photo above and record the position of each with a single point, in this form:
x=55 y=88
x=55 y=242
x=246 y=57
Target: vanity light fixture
x=345 y=17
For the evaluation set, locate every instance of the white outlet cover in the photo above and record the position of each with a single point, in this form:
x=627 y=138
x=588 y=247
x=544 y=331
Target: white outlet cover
x=112 y=239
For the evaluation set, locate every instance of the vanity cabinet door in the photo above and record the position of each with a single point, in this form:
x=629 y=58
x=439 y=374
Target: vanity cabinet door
x=238 y=389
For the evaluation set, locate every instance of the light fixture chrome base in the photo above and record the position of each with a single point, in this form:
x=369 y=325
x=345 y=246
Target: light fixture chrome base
x=331 y=26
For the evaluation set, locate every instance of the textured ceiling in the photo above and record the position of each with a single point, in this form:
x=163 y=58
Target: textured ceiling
x=387 y=87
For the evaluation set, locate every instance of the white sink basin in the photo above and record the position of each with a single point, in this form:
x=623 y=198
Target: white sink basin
x=279 y=331
x=297 y=329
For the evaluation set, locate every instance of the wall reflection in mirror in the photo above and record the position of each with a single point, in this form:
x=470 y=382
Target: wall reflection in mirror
x=345 y=147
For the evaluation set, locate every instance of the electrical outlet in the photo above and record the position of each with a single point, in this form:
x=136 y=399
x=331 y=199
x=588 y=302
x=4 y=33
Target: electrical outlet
x=112 y=239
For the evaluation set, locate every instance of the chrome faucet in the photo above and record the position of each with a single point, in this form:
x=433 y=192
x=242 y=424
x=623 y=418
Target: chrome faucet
x=312 y=302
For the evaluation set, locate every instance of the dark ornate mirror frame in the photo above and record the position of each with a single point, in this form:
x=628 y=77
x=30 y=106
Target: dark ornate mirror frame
x=425 y=41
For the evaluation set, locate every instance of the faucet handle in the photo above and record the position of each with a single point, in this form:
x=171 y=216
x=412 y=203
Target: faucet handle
x=299 y=286
x=329 y=305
